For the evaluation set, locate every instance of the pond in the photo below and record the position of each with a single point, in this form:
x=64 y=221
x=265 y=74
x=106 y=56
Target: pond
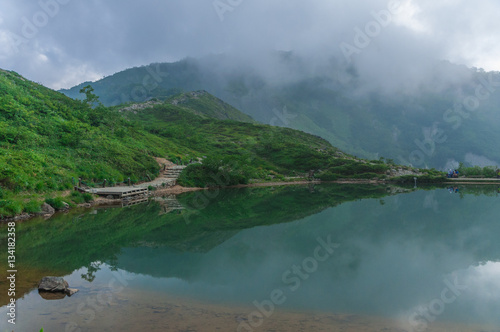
x=296 y=258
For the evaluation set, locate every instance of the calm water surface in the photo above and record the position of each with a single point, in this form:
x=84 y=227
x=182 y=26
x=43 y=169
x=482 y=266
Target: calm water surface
x=307 y=259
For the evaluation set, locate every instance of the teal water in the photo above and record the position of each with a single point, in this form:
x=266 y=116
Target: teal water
x=418 y=259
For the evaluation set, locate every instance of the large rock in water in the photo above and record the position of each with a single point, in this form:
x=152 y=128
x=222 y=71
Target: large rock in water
x=54 y=288
x=53 y=284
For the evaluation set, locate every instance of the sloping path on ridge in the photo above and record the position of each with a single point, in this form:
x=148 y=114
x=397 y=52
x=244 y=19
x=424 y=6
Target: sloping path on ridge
x=168 y=175
x=167 y=178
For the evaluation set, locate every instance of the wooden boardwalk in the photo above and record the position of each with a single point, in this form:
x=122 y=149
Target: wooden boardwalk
x=167 y=177
x=118 y=192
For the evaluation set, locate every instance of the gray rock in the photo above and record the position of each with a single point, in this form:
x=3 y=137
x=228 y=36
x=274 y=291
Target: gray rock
x=71 y=291
x=47 y=209
x=54 y=288
x=53 y=284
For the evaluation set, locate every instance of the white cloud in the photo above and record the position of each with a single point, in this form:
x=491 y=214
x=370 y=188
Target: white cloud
x=76 y=74
x=484 y=280
x=105 y=37
x=408 y=17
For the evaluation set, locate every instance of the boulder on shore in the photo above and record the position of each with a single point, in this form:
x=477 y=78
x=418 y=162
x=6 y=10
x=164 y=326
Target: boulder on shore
x=65 y=206
x=47 y=210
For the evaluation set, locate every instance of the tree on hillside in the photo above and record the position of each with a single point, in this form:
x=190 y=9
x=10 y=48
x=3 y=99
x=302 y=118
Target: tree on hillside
x=91 y=99
x=97 y=114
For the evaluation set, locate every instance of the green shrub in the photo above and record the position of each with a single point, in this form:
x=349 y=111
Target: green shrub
x=409 y=179
x=490 y=172
x=10 y=208
x=32 y=206
x=217 y=171
x=328 y=176
x=87 y=197
x=79 y=198
x=476 y=171
x=57 y=203
x=367 y=176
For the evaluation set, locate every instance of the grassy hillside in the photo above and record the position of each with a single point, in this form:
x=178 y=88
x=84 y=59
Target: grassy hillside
x=339 y=106
x=237 y=152
x=48 y=140
x=204 y=104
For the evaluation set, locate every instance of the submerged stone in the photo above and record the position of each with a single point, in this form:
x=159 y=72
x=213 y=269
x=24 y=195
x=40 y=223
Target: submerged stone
x=71 y=291
x=52 y=295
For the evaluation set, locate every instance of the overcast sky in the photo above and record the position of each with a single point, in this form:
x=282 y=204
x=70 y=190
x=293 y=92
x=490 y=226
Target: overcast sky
x=61 y=43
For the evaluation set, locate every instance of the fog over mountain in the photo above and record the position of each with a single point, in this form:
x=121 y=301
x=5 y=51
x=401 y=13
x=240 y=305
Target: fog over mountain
x=376 y=78
x=451 y=116
x=61 y=43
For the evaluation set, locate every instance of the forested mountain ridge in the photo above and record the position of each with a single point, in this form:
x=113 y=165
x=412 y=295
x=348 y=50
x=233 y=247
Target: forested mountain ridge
x=200 y=103
x=452 y=115
x=48 y=141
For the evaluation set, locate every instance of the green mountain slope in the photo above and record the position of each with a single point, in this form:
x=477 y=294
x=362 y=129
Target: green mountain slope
x=239 y=151
x=338 y=105
x=141 y=83
x=204 y=104
x=199 y=103
x=48 y=140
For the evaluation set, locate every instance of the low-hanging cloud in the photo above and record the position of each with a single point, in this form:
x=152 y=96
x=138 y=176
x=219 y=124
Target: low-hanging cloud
x=79 y=40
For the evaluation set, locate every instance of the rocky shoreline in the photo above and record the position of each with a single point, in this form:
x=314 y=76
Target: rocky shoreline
x=48 y=211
